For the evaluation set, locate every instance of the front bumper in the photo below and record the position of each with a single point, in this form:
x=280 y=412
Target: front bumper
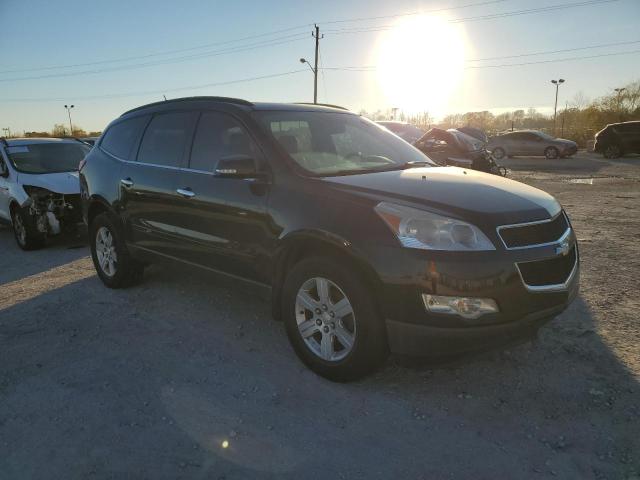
x=424 y=340
x=524 y=308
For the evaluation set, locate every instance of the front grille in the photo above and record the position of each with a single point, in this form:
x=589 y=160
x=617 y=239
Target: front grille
x=554 y=271
x=535 y=233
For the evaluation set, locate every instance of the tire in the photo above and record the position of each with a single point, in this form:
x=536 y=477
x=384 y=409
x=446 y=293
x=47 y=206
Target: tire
x=498 y=153
x=551 y=153
x=612 y=151
x=25 y=231
x=111 y=259
x=326 y=349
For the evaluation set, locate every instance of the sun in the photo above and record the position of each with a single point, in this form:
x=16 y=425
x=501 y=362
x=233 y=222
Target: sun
x=420 y=63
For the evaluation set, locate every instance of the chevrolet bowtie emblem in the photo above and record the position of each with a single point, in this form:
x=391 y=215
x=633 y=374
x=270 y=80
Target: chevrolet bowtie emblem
x=563 y=249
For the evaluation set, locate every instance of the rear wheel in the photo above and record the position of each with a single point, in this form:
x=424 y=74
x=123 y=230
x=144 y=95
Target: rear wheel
x=111 y=259
x=613 y=151
x=551 y=153
x=333 y=325
x=24 y=229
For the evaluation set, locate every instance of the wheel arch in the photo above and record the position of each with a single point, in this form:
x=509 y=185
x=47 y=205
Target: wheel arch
x=297 y=246
x=96 y=206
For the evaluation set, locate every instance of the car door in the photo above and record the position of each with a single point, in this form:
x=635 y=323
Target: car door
x=5 y=191
x=223 y=222
x=148 y=185
x=532 y=144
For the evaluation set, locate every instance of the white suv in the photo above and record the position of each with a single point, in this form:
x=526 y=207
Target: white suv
x=39 y=188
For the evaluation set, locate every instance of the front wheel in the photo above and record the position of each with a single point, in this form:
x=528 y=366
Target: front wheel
x=25 y=230
x=331 y=320
x=551 y=153
x=111 y=259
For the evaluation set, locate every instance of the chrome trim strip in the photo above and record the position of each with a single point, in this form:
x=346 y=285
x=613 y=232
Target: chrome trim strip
x=558 y=287
x=537 y=222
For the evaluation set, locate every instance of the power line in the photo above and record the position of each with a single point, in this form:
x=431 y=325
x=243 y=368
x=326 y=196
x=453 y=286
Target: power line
x=250 y=37
x=550 y=8
x=157 y=54
x=409 y=14
x=136 y=66
x=158 y=92
x=555 y=51
x=371 y=68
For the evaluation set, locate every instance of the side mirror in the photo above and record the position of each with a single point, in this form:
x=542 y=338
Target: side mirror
x=236 y=166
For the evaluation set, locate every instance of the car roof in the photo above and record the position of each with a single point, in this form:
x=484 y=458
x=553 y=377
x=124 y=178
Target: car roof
x=15 y=142
x=236 y=102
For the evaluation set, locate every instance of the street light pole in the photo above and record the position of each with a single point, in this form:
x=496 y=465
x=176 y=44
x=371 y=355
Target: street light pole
x=69 y=107
x=619 y=92
x=555 y=108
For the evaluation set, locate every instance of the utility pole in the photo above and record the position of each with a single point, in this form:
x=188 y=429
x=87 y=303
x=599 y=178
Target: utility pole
x=315 y=69
x=619 y=92
x=69 y=107
x=555 y=108
x=8 y=131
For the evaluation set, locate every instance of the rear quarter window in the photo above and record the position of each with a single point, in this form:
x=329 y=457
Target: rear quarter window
x=120 y=139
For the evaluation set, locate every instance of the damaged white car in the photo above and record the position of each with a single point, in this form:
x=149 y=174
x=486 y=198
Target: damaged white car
x=39 y=188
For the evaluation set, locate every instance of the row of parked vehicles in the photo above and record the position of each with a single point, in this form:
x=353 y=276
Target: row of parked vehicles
x=613 y=141
x=366 y=245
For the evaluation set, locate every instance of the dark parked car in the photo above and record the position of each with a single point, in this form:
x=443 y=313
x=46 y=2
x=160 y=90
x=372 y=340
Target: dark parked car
x=617 y=139
x=531 y=143
x=364 y=243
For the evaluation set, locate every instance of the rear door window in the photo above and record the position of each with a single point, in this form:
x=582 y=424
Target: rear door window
x=121 y=138
x=219 y=135
x=167 y=138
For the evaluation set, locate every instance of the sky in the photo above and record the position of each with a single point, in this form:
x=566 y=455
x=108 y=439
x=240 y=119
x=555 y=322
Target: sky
x=123 y=54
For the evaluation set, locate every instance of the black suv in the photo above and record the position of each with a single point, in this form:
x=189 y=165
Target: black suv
x=366 y=245
x=618 y=139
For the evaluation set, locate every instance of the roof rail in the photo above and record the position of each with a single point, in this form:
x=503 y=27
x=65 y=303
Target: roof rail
x=322 y=105
x=237 y=101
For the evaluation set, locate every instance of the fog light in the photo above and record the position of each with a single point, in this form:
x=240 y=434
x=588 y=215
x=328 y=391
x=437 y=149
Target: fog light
x=464 y=306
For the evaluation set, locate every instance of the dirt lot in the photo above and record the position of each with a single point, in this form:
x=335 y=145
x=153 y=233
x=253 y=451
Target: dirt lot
x=149 y=382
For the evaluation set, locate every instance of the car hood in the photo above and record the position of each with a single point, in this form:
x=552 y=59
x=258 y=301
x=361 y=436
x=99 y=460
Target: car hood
x=467 y=194
x=66 y=183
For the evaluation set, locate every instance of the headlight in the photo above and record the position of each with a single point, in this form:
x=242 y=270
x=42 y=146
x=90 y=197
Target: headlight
x=421 y=229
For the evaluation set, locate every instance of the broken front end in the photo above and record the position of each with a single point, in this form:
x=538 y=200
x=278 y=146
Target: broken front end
x=53 y=212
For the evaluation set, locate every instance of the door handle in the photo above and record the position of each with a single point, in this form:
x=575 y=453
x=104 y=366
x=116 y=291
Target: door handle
x=186 y=192
x=126 y=182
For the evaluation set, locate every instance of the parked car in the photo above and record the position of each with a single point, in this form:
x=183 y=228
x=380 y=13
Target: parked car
x=39 y=188
x=89 y=140
x=406 y=131
x=618 y=139
x=366 y=245
x=531 y=143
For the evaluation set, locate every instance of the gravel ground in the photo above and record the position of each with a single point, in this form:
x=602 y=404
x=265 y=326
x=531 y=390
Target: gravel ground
x=152 y=381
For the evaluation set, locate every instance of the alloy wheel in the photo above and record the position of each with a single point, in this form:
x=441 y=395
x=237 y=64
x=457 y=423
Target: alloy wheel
x=106 y=251
x=325 y=318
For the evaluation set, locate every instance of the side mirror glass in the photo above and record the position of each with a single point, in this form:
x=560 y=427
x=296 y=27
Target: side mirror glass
x=236 y=166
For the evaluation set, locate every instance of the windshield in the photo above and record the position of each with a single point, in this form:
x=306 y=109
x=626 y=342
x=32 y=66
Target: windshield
x=47 y=157
x=328 y=143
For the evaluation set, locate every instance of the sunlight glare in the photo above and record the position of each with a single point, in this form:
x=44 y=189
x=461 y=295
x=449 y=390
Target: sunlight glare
x=420 y=63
